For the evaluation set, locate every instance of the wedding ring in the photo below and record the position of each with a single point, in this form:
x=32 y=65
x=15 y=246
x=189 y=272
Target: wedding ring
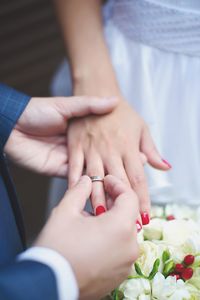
x=96 y=178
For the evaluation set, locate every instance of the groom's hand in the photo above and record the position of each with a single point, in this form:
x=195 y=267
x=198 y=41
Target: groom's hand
x=101 y=250
x=38 y=141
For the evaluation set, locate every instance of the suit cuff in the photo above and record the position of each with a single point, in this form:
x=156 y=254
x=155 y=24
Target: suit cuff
x=65 y=278
x=12 y=105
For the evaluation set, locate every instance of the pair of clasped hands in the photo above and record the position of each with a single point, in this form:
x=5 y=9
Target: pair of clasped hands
x=105 y=138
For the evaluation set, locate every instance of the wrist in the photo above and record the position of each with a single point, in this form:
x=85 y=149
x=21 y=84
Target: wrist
x=96 y=81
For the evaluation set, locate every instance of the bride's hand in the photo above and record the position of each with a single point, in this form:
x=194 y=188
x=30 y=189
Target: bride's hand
x=38 y=141
x=112 y=144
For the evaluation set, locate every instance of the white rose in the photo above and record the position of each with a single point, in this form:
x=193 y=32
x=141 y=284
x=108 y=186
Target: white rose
x=135 y=288
x=180 y=211
x=177 y=253
x=192 y=244
x=176 y=232
x=149 y=252
x=169 y=288
x=154 y=230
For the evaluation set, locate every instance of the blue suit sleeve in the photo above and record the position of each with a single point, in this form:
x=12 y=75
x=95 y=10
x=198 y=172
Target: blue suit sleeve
x=12 y=104
x=27 y=280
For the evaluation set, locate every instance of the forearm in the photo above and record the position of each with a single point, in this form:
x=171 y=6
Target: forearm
x=81 y=23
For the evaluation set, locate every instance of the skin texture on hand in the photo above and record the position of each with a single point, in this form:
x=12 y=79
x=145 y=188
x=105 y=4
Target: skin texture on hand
x=88 y=242
x=117 y=144
x=38 y=141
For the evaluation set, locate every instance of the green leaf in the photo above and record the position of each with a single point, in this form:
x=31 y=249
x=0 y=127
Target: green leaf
x=133 y=277
x=154 y=269
x=138 y=270
x=115 y=294
x=165 y=256
x=118 y=295
x=168 y=268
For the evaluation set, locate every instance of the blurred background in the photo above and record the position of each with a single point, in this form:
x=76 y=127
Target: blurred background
x=30 y=51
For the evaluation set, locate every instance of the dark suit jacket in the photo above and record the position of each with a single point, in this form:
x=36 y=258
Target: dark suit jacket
x=25 y=280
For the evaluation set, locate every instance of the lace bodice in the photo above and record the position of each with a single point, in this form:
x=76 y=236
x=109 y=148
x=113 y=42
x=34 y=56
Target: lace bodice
x=172 y=25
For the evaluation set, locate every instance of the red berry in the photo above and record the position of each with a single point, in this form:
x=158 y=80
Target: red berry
x=187 y=274
x=170 y=218
x=179 y=268
x=189 y=259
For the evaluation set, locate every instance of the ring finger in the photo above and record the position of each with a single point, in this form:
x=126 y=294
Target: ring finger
x=94 y=167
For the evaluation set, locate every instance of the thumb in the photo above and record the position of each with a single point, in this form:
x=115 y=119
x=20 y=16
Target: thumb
x=77 y=196
x=125 y=200
x=81 y=106
x=149 y=149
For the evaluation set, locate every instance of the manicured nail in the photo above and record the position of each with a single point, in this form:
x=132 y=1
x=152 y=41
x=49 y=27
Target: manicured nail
x=100 y=210
x=170 y=218
x=167 y=163
x=145 y=218
x=139 y=226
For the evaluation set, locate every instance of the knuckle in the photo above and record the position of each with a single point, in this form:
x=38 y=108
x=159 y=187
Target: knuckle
x=137 y=180
x=125 y=181
x=115 y=187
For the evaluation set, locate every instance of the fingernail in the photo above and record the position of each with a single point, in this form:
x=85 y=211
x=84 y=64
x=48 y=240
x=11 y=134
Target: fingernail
x=145 y=218
x=100 y=210
x=139 y=226
x=167 y=163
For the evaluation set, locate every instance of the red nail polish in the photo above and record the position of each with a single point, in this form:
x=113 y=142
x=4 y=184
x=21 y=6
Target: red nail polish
x=100 y=210
x=170 y=218
x=167 y=163
x=139 y=226
x=145 y=218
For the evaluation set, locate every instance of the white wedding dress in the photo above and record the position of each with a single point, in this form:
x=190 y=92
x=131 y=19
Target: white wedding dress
x=155 y=50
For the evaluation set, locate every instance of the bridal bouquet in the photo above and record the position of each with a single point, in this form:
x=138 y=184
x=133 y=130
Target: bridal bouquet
x=168 y=267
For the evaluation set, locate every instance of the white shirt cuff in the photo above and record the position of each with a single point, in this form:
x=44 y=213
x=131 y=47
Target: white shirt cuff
x=66 y=282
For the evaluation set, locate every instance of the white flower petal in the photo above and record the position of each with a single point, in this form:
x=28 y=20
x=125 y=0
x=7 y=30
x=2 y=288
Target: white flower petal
x=176 y=232
x=136 y=287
